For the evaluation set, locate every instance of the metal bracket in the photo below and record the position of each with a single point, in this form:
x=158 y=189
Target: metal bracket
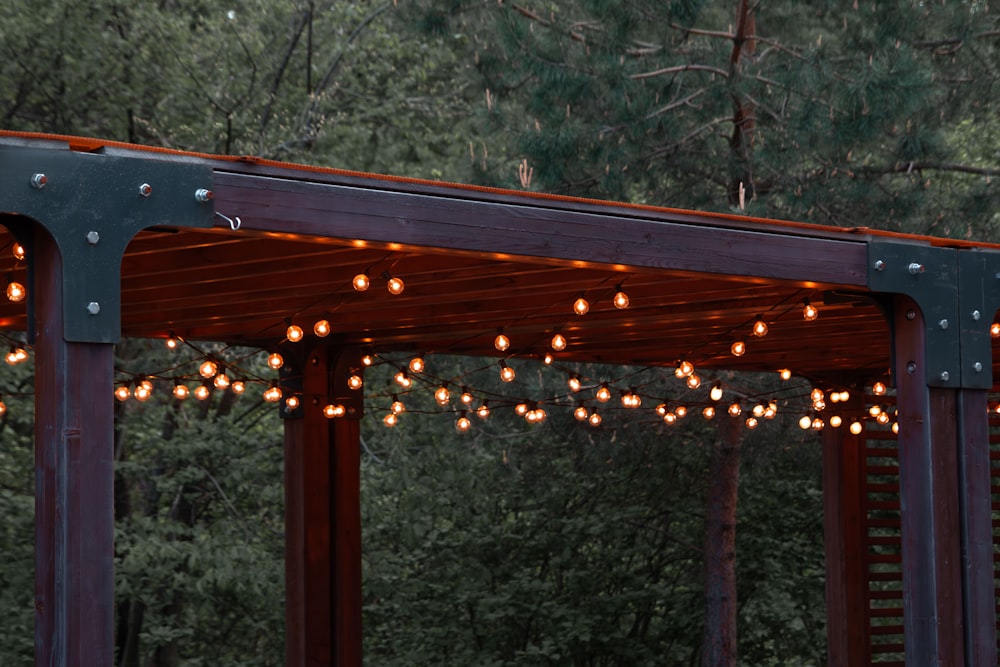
x=978 y=301
x=928 y=275
x=93 y=204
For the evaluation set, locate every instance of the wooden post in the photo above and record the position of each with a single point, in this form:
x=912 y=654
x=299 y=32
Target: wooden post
x=74 y=481
x=323 y=517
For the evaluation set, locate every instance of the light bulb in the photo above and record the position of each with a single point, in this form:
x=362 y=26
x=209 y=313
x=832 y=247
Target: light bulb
x=142 y=392
x=238 y=387
x=463 y=423
x=595 y=419
x=275 y=360
x=201 y=392
x=816 y=394
x=574 y=383
x=390 y=420
x=547 y=359
x=322 y=328
x=181 y=391
x=291 y=403
x=501 y=342
x=681 y=411
x=835 y=397
x=785 y=374
x=558 y=342
x=662 y=409
x=507 y=373
x=716 y=392
x=684 y=369
x=581 y=413
x=16 y=355
x=895 y=427
x=15 y=291
x=537 y=416
x=879 y=388
x=809 y=311
x=361 y=282
x=708 y=412
x=272 y=394
x=417 y=365
x=355 y=382
x=208 y=368
x=805 y=422
x=294 y=333
x=483 y=410
x=621 y=298
x=442 y=395
x=122 y=393
x=856 y=428
x=817 y=424
x=403 y=380
x=173 y=341
x=738 y=348
x=221 y=381
x=751 y=423
x=603 y=393
x=995 y=329
x=466 y=396
x=819 y=406
x=836 y=421
x=693 y=381
x=395 y=285
x=581 y=306
x=875 y=410
x=367 y=360
x=670 y=418
x=18 y=251
x=845 y=396
x=758 y=410
x=333 y=410
x=759 y=327
x=521 y=409
x=735 y=410
x=882 y=418
x=397 y=406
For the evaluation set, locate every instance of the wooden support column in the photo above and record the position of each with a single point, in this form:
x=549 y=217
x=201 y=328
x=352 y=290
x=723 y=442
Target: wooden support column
x=323 y=516
x=74 y=481
x=843 y=526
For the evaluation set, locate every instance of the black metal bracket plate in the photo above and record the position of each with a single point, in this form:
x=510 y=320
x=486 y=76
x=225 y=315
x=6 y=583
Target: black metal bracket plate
x=93 y=205
x=979 y=299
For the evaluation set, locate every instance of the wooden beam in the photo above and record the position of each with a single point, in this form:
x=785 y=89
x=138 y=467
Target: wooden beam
x=74 y=473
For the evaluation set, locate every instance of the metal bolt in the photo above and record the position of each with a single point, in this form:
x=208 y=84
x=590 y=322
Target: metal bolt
x=944 y=376
x=914 y=268
x=879 y=265
x=978 y=367
x=145 y=190
x=943 y=324
x=911 y=367
x=203 y=195
x=93 y=238
x=911 y=314
x=93 y=308
x=976 y=315
x=39 y=181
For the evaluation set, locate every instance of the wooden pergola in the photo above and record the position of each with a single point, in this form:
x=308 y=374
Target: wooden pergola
x=133 y=241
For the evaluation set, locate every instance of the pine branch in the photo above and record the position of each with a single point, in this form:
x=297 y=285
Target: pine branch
x=929 y=165
x=524 y=11
x=681 y=68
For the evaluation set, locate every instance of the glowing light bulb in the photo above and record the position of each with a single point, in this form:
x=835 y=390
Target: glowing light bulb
x=173 y=341
x=361 y=282
x=275 y=360
x=995 y=329
x=272 y=394
x=221 y=381
x=463 y=423
x=759 y=327
x=181 y=391
x=18 y=251
x=322 y=328
x=294 y=333
x=535 y=416
x=895 y=427
x=201 y=392
x=238 y=387
x=397 y=406
x=856 y=428
x=670 y=418
x=738 y=348
x=581 y=306
x=442 y=395
x=845 y=396
x=662 y=409
x=758 y=410
x=716 y=393
x=16 y=355
x=367 y=360
x=334 y=410
x=603 y=393
x=208 y=368
x=817 y=424
x=3 y=408
x=417 y=365
x=708 y=412
x=507 y=373
x=882 y=418
x=574 y=383
x=403 y=380
x=390 y=420
x=681 y=411
x=684 y=369
x=816 y=394
x=483 y=410
x=558 y=342
x=693 y=381
x=805 y=422
x=879 y=388
x=355 y=382
x=751 y=423
x=395 y=285
x=785 y=374
x=521 y=409
x=735 y=410
x=122 y=393
x=466 y=396
x=15 y=291
x=595 y=419
x=291 y=403
x=809 y=311
x=836 y=421
x=501 y=342
x=621 y=298
x=581 y=413
x=875 y=410
x=547 y=359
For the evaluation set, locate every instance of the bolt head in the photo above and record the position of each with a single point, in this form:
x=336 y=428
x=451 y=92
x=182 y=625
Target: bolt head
x=943 y=324
x=145 y=190
x=93 y=308
x=976 y=315
x=911 y=314
x=93 y=238
x=978 y=367
x=944 y=376
x=203 y=195
x=39 y=181
x=911 y=367
x=915 y=268
x=879 y=265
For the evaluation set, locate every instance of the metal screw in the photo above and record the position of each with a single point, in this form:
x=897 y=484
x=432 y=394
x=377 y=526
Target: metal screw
x=976 y=315
x=145 y=190
x=93 y=238
x=93 y=308
x=911 y=367
x=203 y=195
x=911 y=314
x=943 y=324
x=914 y=268
x=978 y=367
x=879 y=265
x=944 y=376
x=39 y=181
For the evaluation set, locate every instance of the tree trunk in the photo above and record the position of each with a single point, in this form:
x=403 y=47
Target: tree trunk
x=719 y=642
x=741 y=184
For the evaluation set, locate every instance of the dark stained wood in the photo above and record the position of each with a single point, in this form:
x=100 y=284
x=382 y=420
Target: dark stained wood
x=74 y=500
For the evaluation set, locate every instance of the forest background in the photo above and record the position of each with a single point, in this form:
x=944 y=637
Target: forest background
x=556 y=544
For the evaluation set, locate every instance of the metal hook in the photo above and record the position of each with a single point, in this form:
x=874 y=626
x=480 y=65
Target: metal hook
x=234 y=223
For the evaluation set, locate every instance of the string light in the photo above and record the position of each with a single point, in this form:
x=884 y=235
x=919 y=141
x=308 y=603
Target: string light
x=521 y=409
x=275 y=360
x=181 y=391
x=581 y=413
x=785 y=374
x=463 y=423
x=536 y=415
x=879 y=388
x=123 y=393
x=142 y=392
x=738 y=348
x=208 y=368
x=294 y=333
x=574 y=383
x=355 y=382
x=390 y=420
x=15 y=291
x=693 y=381
x=759 y=328
x=173 y=341
x=394 y=285
x=547 y=359
x=238 y=387
x=291 y=403
x=202 y=392
x=758 y=410
x=558 y=342
x=442 y=395
x=809 y=311
x=16 y=355
x=466 y=396
x=708 y=412
x=603 y=393
x=403 y=380
x=681 y=411
x=670 y=418
x=621 y=298
x=735 y=410
x=805 y=422
x=501 y=342
x=361 y=282
x=684 y=369
x=221 y=381
x=335 y=410
x=581 y=306
x=3 y=408
x=716 y=393
x=417 y=364
x=507 y=373
x=995 y=329
x=836 y=421
x=18 y=251
x=630 y=399
x=662 y=409
x=595 y=419
x=751 y=423
x=483 y=410
x=272 y=394
x=817 y=424
x=367 y=359
x=322 y=328
x=883 y=418
x=397 y=406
